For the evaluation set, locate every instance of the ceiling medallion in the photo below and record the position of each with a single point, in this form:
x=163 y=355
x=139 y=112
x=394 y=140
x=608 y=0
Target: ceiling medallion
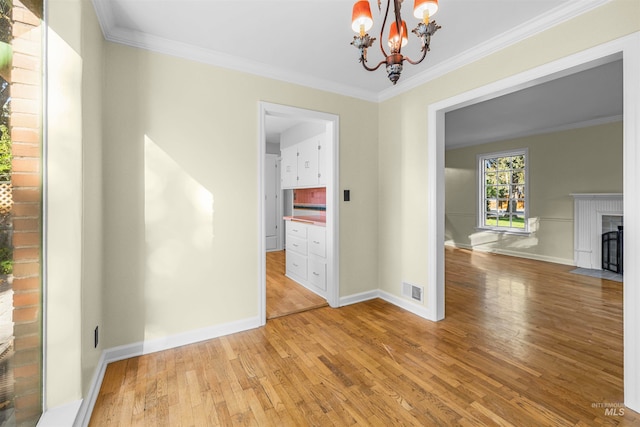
x=362 y=22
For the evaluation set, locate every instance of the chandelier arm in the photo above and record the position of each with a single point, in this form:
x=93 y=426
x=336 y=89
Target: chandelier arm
x=424 y=54
x=384 y=24
x=366 y=67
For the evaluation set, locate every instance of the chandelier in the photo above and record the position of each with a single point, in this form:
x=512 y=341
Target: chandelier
x=362 y=22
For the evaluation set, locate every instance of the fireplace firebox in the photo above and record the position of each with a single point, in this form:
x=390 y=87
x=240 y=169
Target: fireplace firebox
x=612 y=244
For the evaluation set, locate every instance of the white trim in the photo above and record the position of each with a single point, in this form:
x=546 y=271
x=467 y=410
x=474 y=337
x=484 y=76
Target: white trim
x=45 y=203
x=63 y=415
x=628 y=48
x=402 y=303
x=405 y=304
x=262 y=241
x=222 y=60
x=631 y=179
x=332 y=122
x=435 y=217
x=618 y=196
x=481 y=192
x=357 y=298
x=561 y=128
x=115 y=354
x=535 y=257
x=537 y=24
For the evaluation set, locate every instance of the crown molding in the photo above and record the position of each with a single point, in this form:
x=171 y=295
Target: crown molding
x=528 y=29
x=532 y=27
x=174 y=48
x=567 y=127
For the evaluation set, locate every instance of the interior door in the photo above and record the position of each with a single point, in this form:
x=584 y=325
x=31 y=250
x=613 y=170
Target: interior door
x=271 y=201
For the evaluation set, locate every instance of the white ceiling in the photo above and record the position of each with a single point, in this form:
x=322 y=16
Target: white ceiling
x=585 y=98
x=308 y=42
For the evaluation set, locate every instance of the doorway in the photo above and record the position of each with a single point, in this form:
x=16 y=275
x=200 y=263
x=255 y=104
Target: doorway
x=625 y=48
x=274 y=118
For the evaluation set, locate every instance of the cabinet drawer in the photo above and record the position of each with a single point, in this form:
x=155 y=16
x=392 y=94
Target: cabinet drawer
x=296 y=265
x=295 y=244
x=317 y=241
x=297 y=229
x=318 y=274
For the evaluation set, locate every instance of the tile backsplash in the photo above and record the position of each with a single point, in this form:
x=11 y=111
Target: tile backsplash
x=310 y=196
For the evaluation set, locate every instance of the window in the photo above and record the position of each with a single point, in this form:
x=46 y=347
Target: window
x=503 y=191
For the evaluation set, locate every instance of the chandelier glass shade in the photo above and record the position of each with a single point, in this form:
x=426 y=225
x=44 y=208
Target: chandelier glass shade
x=362 y=22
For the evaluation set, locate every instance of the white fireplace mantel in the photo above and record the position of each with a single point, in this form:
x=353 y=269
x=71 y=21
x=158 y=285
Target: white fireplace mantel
x=589 y=208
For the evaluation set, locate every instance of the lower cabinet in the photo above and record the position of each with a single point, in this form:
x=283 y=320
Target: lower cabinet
x=296 y=264
x=318 y=273
x=306 y=261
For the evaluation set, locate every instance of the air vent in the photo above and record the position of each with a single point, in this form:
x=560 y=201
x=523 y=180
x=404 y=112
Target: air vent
x=414 y=292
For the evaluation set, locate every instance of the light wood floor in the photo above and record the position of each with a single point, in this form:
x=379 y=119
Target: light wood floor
x=524 y=343
x=285 y=296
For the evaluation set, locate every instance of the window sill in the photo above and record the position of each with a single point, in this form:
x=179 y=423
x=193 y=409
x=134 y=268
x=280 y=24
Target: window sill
x=503 y=231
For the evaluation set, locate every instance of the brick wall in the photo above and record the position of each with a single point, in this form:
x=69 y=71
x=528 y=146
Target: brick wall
x=26 y=125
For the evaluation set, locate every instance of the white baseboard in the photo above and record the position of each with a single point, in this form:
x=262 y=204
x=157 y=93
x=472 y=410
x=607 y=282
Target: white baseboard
x=59 y=416
x=405 y=304
x=83 y=412
x=390 y=298
x=361 y=297
x=526 y=255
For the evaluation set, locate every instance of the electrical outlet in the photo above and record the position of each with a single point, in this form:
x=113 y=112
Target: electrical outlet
x=95 y=337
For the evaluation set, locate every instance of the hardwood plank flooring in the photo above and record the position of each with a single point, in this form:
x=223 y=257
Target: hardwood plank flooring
x=285 y=296
x=524 y=343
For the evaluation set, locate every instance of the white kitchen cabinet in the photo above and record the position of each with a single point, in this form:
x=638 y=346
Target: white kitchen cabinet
x=322 y=161
x=304 y=164
x=318 y=273
x=308 y=162
x=296 y=265
x=306 y=261
x=289 y=167
x=317 y=241
x=297 y=245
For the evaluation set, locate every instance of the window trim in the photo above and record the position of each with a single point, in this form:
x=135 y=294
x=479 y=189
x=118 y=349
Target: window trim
x=481 y=191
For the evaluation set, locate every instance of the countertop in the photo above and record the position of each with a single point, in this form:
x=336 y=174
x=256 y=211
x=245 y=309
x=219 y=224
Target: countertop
x=313 y=219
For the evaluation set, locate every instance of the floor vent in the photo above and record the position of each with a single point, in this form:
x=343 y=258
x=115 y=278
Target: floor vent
x=412 y=291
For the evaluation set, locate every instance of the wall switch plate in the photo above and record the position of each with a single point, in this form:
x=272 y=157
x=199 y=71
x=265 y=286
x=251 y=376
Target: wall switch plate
x=347 y=195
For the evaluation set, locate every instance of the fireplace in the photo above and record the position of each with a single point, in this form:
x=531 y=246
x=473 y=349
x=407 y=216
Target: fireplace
x=612 y=244
x=594 y=214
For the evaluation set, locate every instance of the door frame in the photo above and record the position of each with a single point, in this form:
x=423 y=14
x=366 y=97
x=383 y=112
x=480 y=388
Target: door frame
x=625 y=48
x=332 y=227
x=279 y=202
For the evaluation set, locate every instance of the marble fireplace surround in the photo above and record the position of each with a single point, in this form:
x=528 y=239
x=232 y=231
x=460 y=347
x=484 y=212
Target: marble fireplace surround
x=589 y=208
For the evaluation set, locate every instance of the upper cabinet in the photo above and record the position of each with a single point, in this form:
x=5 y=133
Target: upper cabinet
x=289 y=167
x=304 y=163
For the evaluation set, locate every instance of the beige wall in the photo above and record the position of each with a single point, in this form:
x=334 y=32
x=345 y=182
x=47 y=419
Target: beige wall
x=403 y=130
x=92 y=181
x=64 y=204
x=181 y=192
x=180 y=135
x=586 y=160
